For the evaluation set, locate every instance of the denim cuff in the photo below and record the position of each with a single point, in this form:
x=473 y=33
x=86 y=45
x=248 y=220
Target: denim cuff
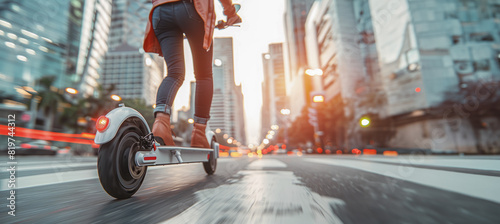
x=201 y=120
x=164 y=108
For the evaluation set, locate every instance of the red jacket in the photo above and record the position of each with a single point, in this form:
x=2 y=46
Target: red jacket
x=205 y=9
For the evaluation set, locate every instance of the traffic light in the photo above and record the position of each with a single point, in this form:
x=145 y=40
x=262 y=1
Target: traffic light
x=364 y=122
x=317 y=97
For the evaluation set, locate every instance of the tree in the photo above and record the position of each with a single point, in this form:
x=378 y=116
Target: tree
x=89 y=108
x=102 y=104
x=72 y=113
x=333 y=120
x=145 y=110
x=300 y=131
x=50 y=100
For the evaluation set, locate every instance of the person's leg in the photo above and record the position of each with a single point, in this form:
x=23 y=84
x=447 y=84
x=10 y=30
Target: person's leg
x=170 y=37
x=171 y=41
x=202 y=60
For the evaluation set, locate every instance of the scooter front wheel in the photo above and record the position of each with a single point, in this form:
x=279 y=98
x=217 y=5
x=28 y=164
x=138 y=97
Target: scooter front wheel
x=119 y=175
x=211 y=165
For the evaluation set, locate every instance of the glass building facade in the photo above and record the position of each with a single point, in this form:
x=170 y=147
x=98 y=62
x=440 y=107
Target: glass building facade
x=134 y=74
x=38 y=38
x=65 y=39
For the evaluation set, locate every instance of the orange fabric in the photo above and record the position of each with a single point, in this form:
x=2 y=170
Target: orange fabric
x=205 y=9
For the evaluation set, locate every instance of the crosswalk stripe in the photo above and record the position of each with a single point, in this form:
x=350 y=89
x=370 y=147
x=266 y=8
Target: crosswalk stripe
x=479 y=186
x=65 y=176
x=49 y=166
x=476 y=164
x=266 y=163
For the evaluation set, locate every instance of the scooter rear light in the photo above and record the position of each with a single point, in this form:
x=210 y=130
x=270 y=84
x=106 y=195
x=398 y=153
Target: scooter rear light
x=102 y=123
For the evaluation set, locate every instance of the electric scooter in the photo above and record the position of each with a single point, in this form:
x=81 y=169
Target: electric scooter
x=127 y=149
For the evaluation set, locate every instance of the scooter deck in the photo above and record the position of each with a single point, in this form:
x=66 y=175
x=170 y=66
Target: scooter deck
x=166 y=155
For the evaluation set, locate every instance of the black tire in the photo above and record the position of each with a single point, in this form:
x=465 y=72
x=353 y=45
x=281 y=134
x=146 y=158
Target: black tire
x=211 y=165
x=118 y=174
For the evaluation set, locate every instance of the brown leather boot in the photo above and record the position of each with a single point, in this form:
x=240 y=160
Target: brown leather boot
x=198 y=138
x=161 y=129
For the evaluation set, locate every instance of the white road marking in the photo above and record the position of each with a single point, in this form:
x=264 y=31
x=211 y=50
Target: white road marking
x=479 y=186
x=257 y=196
x=62 y=177
x=49 y=166
x=50 y=178
x=266 y=163
x=477 y=164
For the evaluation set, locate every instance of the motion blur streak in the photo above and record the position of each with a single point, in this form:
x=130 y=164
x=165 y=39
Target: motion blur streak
x=83 y=138
x=390 y=153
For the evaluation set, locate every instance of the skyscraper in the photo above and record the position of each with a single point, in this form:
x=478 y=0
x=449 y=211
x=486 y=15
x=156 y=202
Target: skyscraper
x=65 y=40
x=134 y=73
x=296 y=12
x=428 y=53
x=340 y=41
x=93 y=44
x=338 y=52
x=36 y=43
x=273 y=88
x=404 y=67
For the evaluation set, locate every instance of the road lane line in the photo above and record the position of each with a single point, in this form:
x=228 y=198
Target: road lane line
x=479 y=186
x=50 y=178
x=476 y=164
x=260 y=196
x=49 y=166
x=68 y=176
x=266 y=163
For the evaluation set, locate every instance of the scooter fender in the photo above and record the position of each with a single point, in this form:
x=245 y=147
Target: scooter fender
x=116 y=118
x=210 y=134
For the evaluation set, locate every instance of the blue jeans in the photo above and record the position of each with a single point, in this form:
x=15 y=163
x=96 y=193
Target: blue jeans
x=170 y=22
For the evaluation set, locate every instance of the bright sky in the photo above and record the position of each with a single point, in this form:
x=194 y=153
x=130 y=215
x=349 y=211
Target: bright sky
x=262 y=25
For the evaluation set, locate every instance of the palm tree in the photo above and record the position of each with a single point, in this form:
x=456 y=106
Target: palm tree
x=89 y=108
x=71 y=115
x=100 y=105
x=145 y=110
x=50 y=100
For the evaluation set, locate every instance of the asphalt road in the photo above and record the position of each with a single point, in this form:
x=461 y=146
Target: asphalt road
x=274 y=189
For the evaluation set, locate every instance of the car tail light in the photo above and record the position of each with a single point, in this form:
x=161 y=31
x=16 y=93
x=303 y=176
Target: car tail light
x=102 y=123
x=25 y=146
x=47 y=147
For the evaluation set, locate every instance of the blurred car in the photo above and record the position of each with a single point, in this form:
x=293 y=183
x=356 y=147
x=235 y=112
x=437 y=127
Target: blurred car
x=37 y=147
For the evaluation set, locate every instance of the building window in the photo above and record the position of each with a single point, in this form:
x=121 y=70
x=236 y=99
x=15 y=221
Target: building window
x=482 y=65
x=478 y=37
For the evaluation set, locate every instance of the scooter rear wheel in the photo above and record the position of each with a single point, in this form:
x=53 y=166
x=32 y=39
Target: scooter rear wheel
x=119 y=175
